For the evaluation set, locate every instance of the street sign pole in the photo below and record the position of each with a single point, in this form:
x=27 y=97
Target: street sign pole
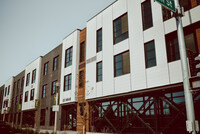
x=190 y=123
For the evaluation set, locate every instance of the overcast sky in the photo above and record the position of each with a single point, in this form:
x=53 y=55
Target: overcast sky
x=32 y=28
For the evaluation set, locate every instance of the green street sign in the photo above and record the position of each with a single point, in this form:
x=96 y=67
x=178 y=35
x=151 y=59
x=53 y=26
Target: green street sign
x=169 y=4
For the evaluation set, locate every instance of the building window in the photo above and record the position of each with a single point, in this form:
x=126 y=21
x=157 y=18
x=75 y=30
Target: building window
x=147 y=14
x=52 y=118
x=45 y=68
x=150 y=54
x=32 y=94
x=20 y=100
x=186 y=4
x=172 y=48
x=8 y=89
x=22 y=82
x=82 y=52
x=99 y=71
x=99 y=40
x=44 y=91
x=27 y=79
x=81 y=79
x=120 y=28
x=122 y=64
x=16 y=98
x=5 y=91
x=68 y=57
x=53 y=89
x=67 y=82
x=55 y=63
x=167 y=14
x=26 y=96
x=33 y=76
x=18 y=84
x=42 y=117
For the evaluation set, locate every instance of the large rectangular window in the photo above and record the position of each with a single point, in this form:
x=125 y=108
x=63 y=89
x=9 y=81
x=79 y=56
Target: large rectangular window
x=42 y=117
x=120 y=28
x=68 y=57
x=67 y=82
x=33 y=76
x=32 y=94
x=20 y=99
x=55 y=63
x=44 y=91
x=122 y=64
x=53 y=88
x=45 y=68
x=99 y=71
x=99 y=40
x=167 y=14
x=150 y=54
x=26 y=96
x=147 y=14
x=173 y=47
x=27 y=79
x=82 y=52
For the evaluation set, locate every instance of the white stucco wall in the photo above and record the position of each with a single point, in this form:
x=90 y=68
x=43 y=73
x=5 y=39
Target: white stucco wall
x=71 y=95
x=30 y=104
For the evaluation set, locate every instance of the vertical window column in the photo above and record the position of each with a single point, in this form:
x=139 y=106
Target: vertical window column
x=147 y=14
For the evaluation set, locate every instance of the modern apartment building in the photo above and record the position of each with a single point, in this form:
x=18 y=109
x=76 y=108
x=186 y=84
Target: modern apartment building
x=16 y=104
x=50 y=75
x=1 y=100
x=69 y=81
x=133 y=68
x=7 y=99
x=30 y=101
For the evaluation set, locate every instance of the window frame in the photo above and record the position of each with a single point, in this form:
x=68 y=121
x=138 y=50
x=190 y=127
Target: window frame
x=145 y=51
x=98 y=44
x=52 y=87
x=32 y=94
x=98 y=70
x=55 y=63
x=70 y=55
x=121 y=34
x=69 y=81
x=27 y=79
x=82 y=52
x=44 y=89
x=26 y=96
x=122 y=63
x=33 y=76
x=45 y=71
x=144 y=20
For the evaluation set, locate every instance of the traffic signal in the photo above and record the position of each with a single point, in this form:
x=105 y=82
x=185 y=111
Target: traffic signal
x=193 y=62
x=82 y=108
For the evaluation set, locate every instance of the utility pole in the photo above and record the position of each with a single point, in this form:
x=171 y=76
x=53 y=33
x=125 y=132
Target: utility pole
x=190 y=123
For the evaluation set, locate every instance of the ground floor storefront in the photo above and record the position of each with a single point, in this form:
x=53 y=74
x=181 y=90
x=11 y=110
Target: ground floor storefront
x=160 y=111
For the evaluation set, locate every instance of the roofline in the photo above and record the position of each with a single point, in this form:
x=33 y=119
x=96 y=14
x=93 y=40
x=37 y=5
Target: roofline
x=102 y=10
x=72 y=33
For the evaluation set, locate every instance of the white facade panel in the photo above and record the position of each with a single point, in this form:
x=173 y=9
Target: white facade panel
x=122 y=84
x=186 y=19
x=107 y=67
x=170 y=25
x=195 y=14
x=71 y=95
x=8 y=96
x=99 y=56
x=119 y=8
x=175 y=72
x=137 y=68
x=30 y=104
x=99 y=21
x=99 y=89
x=121 y=47
x=90 y=91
